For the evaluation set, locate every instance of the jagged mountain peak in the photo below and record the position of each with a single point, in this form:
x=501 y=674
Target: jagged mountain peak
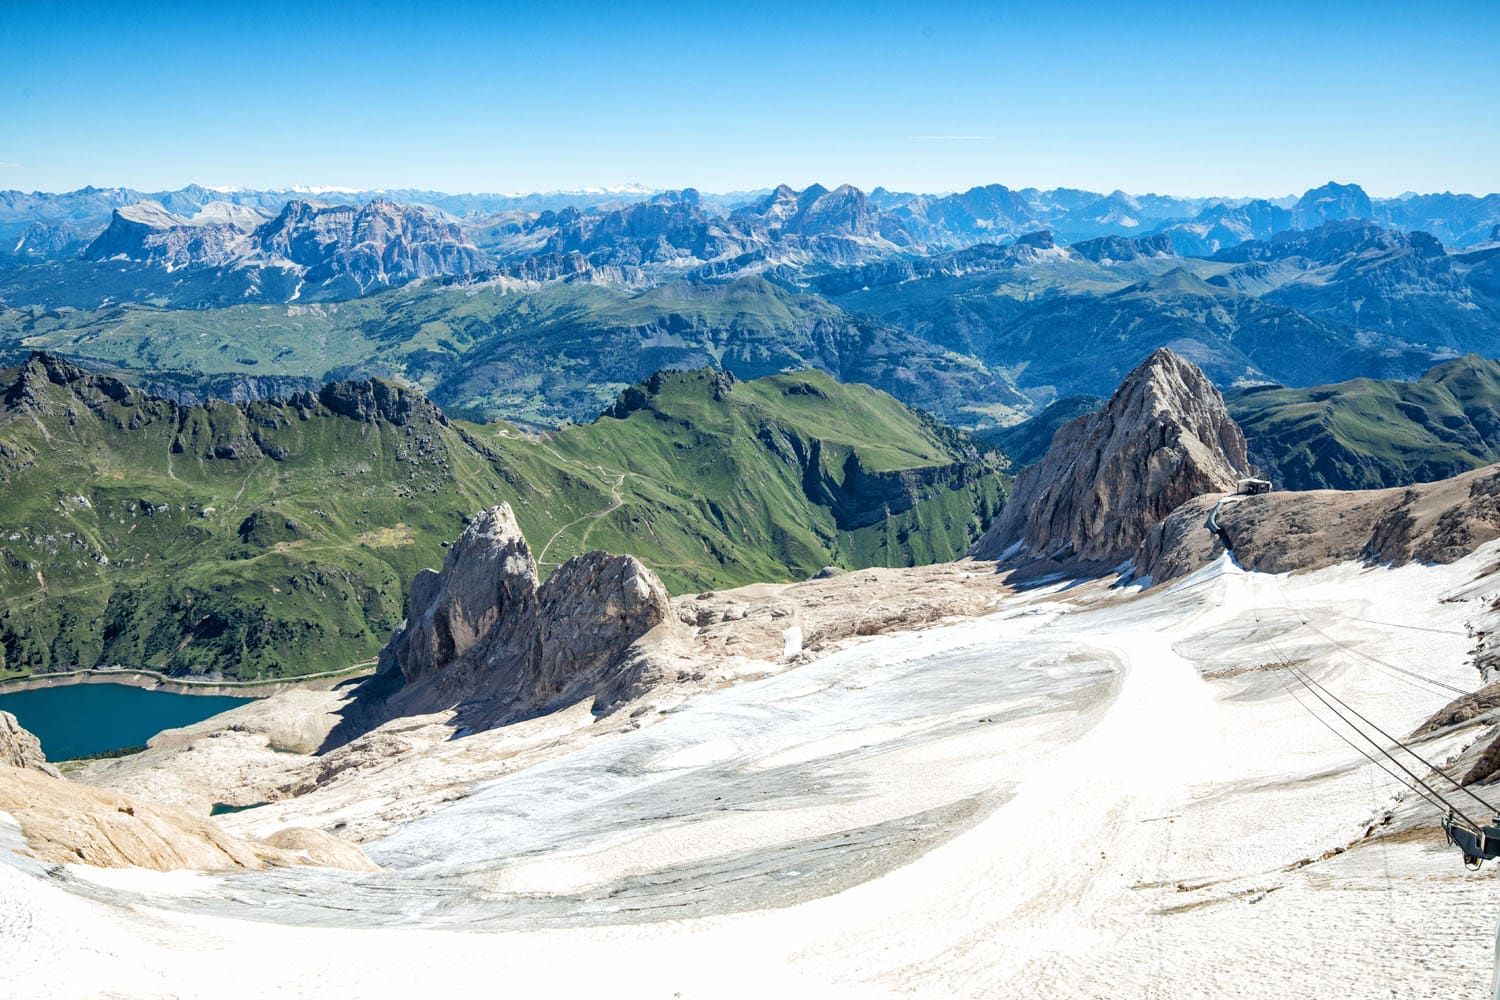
x=486 y=633
x=1163 y=438
x=1330 y=203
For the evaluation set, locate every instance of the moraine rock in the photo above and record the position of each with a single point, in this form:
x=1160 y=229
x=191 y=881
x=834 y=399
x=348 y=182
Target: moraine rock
x=1163 y=438
x=481 y=633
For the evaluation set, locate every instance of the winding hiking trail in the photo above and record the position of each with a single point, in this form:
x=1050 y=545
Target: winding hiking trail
x=617 y=502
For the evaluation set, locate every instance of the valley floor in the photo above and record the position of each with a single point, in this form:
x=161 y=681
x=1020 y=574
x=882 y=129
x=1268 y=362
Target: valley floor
x=1085 y=793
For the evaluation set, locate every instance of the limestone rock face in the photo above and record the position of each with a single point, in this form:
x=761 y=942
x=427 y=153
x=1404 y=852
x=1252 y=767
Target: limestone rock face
x=1284 y=532
x=67 y=822
x=373 y=399
x=482 y=631
x=149 y=233
x=19 y=748
x=472 y=628
x=1163 y=438
x=71 y=823
x=592 y=609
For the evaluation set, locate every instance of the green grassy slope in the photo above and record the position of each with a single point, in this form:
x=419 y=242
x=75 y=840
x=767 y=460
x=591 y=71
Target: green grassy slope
x=1368 y=433
x=1027 y=441
x=276 y=538
x=538 y=357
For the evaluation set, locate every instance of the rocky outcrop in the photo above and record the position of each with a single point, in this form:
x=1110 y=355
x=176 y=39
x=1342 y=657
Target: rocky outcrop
x=376 y=399
x=19 y=748
x=1285 y=532
x=69 y=823
x=590 y=611
x=28 y=393
x=471 y=628
x=483 y=635
x=1163 y=438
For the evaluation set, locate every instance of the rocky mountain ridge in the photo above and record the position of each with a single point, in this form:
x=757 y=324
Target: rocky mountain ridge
x=352 y=248
x=984 y=213
x=1283 y=532
x=1163 y=438
x=484 y=634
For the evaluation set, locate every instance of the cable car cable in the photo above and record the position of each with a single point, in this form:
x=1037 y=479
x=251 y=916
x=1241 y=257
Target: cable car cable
x=1356 y=747
x=1375 y=743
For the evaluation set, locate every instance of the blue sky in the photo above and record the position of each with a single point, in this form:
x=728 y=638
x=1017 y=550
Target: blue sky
x=1197 y=99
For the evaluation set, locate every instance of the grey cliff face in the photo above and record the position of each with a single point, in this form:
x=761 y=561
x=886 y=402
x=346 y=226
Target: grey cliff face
x=483 y=602
x=1109 y=476
x=379 y=244
x=151 y=235
x=591 y=610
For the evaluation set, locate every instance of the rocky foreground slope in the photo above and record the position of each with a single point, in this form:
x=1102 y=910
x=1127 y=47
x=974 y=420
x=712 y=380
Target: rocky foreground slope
x=1163 y=438
x=66 y=822
x=1283 y=532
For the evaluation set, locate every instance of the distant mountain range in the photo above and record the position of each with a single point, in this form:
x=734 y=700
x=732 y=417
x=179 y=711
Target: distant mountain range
x=343 y=250
x=980 y=307
x=636 y=228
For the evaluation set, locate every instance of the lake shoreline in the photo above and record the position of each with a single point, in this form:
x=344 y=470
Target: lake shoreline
x=152 y=681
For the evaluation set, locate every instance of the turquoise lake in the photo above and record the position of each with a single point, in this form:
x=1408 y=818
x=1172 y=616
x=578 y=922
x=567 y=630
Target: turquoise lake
x=76 y=720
